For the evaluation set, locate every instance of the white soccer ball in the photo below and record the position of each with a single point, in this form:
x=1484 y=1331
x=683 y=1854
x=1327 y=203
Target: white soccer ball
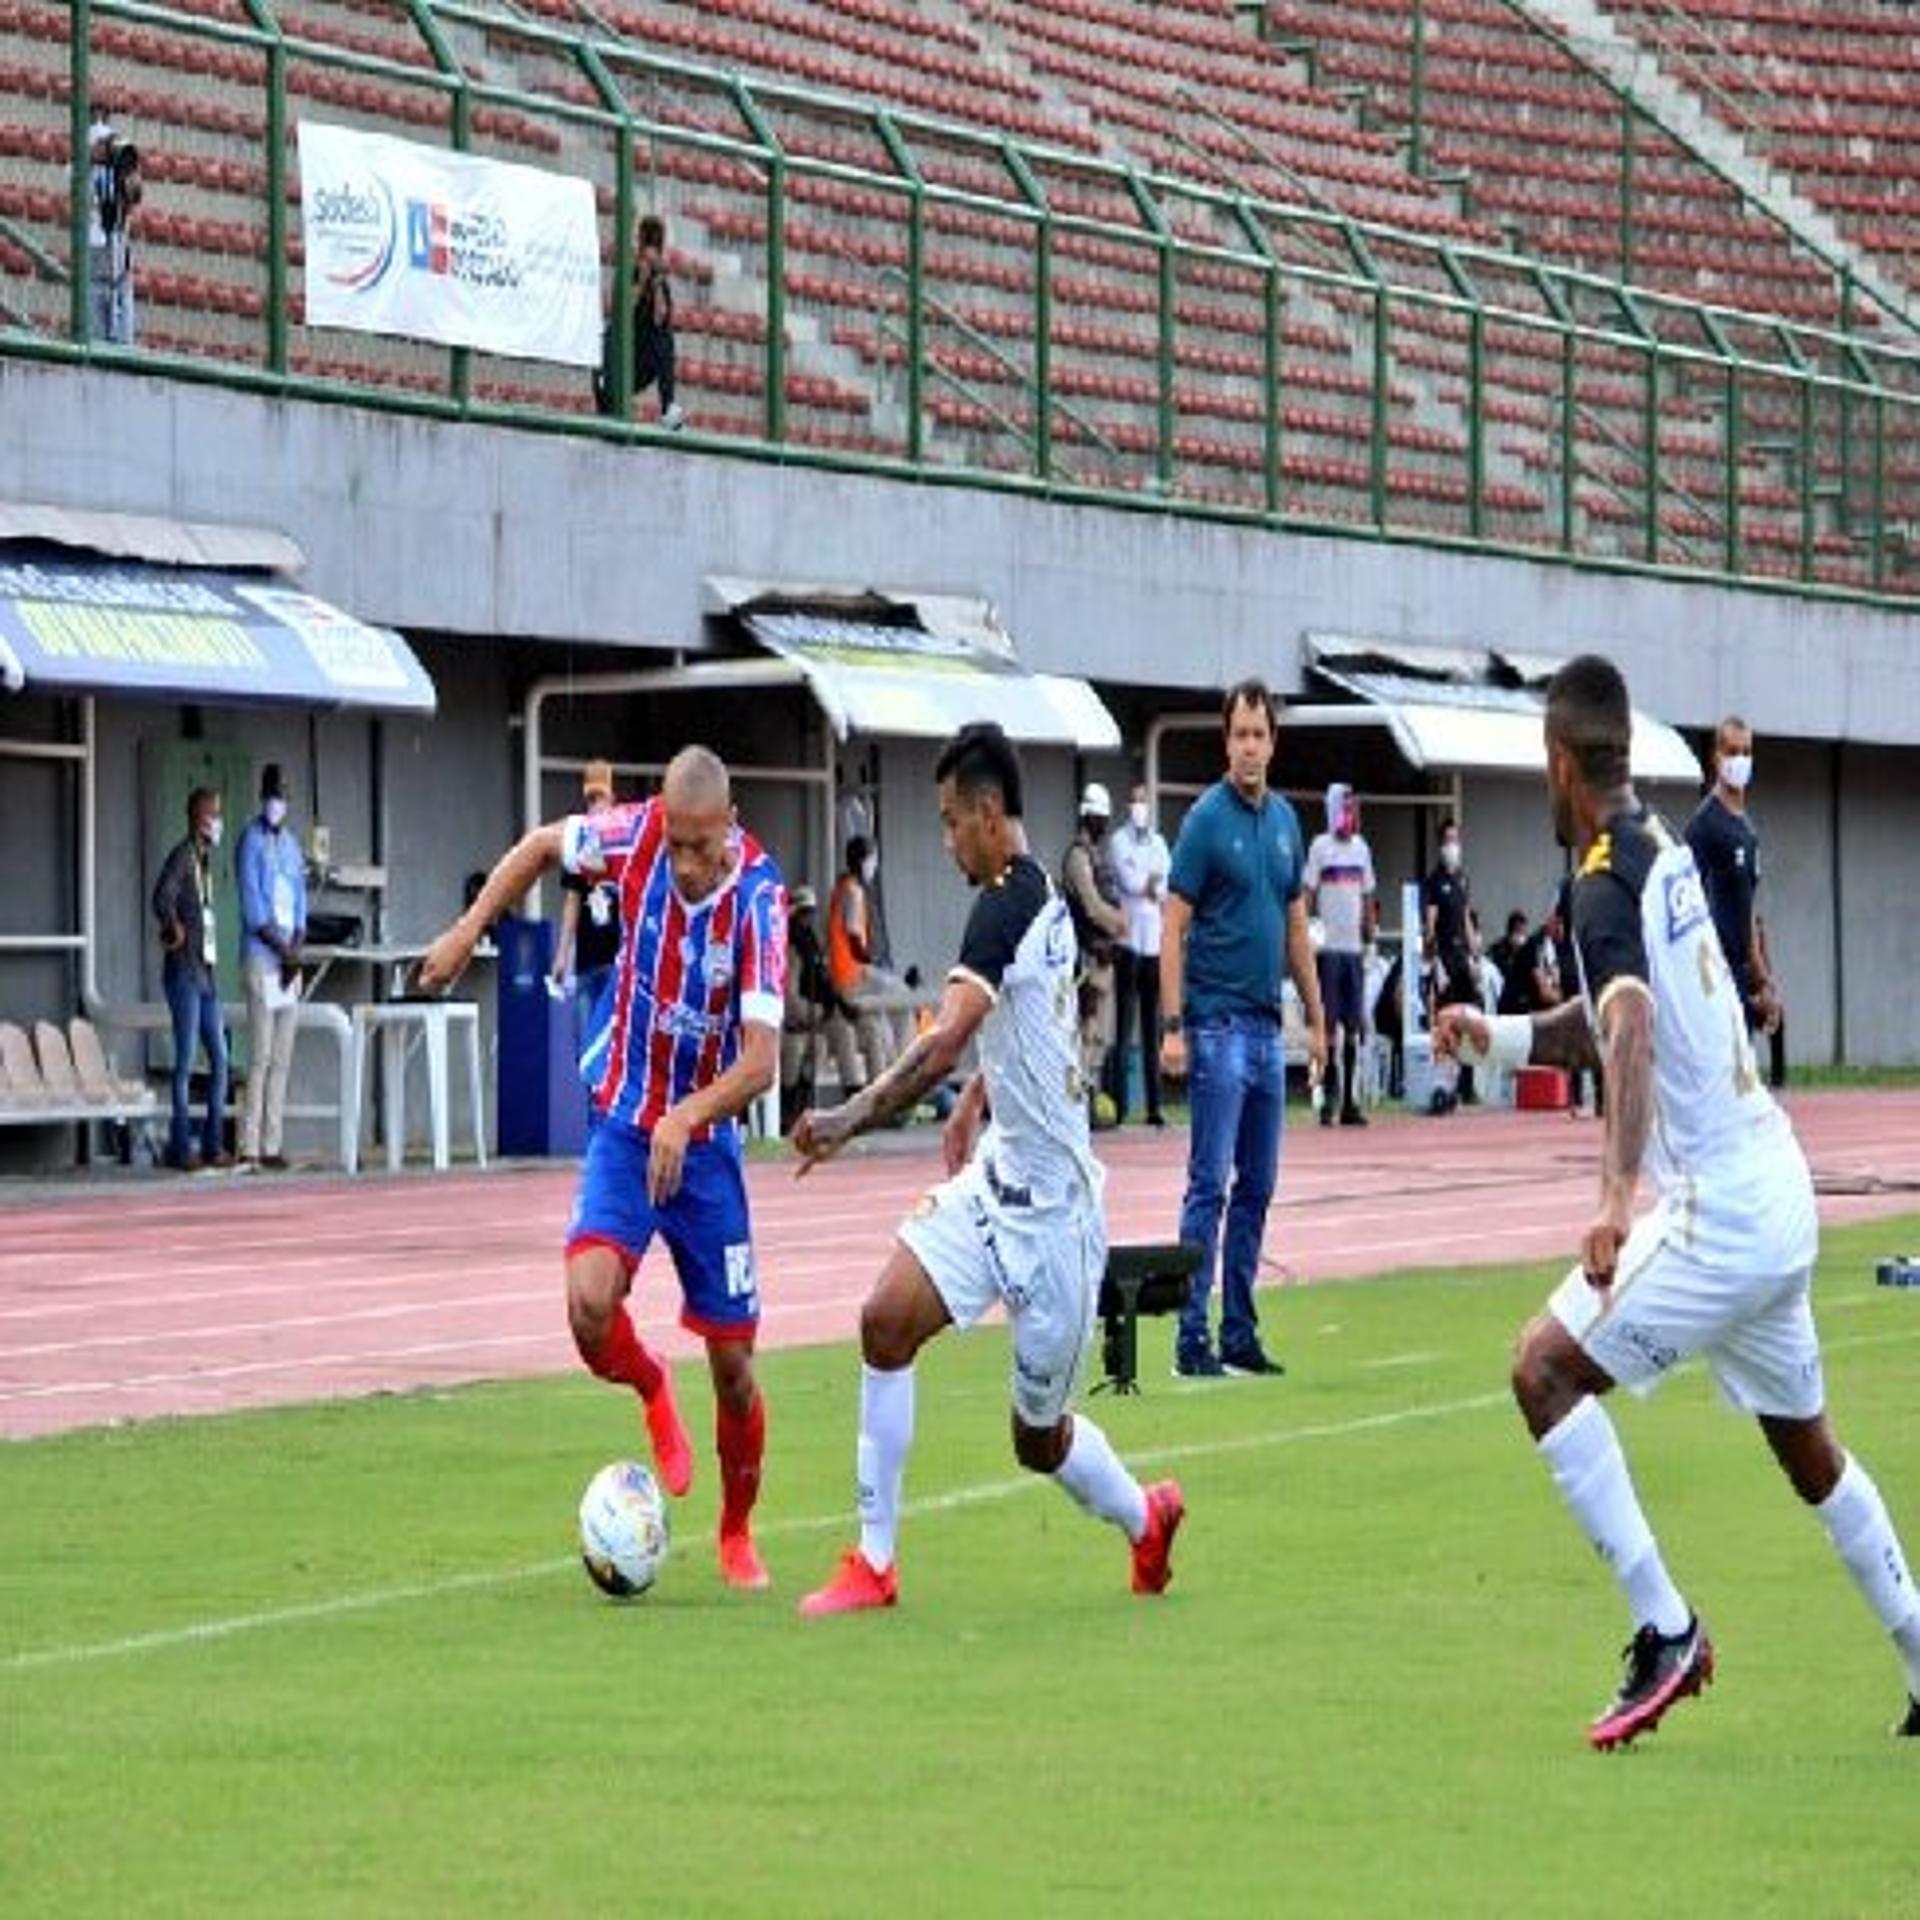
x=623 y=1530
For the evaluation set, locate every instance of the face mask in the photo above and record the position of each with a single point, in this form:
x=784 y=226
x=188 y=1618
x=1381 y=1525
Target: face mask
x=1736 y=770
x=1450 y=856
x=869 y=867
x=215 y=827
x=275 y=812
x=1137 y=816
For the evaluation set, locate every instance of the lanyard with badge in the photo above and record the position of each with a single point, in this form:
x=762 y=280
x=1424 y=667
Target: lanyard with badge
x=203 y=886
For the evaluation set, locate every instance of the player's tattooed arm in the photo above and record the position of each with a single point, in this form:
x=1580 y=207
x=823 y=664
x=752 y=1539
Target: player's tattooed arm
x=1627 y=1025
x=931 y=1058
x=1563 y=1036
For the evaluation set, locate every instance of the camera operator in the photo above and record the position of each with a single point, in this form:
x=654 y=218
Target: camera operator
x=115 y=190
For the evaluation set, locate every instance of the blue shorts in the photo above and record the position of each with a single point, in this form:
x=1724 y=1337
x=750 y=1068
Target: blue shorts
x=705 y=1225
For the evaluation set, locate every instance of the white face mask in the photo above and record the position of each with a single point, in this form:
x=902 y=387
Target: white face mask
x=1137 y=815
x=1736 y=770
x=275 y=812
x=869 y=867
x=215 y=827
x=1450 y=856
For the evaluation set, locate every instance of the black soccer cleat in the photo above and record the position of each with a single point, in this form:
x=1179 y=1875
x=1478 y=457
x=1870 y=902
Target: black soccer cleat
x=1909 y=1728
x=1660 y=1670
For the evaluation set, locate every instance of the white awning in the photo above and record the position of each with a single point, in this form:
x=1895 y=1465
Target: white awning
x=1446 y=723
x=917 y=666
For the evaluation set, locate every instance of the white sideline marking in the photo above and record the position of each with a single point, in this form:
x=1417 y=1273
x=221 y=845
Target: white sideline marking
x=979 y=1494
x=1419 y=1359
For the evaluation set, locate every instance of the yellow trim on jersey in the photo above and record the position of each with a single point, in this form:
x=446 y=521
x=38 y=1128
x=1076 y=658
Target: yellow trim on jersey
x=973 y=979
x=1619 y=984
x=1599 y=857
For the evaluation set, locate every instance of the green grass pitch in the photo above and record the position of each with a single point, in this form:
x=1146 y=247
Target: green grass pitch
x=339 y=1660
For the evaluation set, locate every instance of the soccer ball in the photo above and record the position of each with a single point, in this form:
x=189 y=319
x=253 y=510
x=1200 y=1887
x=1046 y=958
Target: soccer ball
x=623 y=1530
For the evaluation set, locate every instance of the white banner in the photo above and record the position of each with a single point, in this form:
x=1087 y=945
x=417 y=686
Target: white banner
x=448 y=247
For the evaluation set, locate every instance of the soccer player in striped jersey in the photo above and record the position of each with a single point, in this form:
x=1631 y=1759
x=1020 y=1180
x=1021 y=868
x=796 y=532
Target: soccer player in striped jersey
x=687 y=1037
x=1722 y=1266
x=1020 y=1223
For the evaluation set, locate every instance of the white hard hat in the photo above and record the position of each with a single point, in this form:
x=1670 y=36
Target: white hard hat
x=1094 y=801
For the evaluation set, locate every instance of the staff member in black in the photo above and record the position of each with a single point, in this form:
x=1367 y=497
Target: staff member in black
x=1727 y=851
x=1450 y=942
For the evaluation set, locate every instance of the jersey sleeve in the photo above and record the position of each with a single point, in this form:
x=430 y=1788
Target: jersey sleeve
x=995 y=928
x=1311 y=878
x=599 y=845
x=1187 y=869
x=762 y=953
x=1367 y=881
x=1608 y=935
x=1299 y=859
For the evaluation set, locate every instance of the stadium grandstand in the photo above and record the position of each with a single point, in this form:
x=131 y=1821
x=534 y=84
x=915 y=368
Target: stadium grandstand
x=1184 y=334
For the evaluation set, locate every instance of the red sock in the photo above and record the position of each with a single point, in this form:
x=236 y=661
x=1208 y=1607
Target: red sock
x=623 y=1359
x=743 y=1440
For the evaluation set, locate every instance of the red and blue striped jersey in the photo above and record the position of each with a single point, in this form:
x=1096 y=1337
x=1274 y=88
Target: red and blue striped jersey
x=690 y=974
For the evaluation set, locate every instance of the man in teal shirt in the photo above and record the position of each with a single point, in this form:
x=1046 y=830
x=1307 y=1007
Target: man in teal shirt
x=1236 y=925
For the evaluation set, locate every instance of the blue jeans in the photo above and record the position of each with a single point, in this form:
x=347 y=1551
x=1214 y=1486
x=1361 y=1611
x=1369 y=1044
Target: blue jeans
x=1237 y=1084
x=196 y=1021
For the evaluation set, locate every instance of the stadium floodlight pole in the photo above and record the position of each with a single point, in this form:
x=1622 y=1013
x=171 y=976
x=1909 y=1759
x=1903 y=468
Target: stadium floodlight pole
x=79 y=121
x=902 y=157
x=600 y=78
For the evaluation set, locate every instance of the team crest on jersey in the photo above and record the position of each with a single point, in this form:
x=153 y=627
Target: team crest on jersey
x=1686 y=902
x=1059 y=936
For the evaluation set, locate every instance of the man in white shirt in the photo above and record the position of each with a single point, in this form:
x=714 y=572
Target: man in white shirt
x=1140 y=864
x=1340 y=889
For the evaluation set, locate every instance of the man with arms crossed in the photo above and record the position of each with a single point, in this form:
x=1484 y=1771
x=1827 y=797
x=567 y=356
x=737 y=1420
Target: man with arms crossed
x=691 y=1040
x=1019 y=1219
x=1722 y=1266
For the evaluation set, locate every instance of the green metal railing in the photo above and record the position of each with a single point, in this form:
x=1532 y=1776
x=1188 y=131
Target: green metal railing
x=1502 y=396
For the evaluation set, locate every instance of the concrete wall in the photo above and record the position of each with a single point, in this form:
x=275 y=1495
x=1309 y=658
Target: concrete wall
x=489 y=532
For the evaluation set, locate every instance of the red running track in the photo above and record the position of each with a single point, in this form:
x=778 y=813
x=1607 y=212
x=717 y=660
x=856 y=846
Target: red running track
x=129 y=1300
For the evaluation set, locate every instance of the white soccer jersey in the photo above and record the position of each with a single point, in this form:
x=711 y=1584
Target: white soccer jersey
x=1640 y=915
x=1019 y=946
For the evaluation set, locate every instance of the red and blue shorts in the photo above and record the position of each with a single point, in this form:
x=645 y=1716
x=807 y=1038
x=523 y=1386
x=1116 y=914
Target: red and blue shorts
x=705 y=1225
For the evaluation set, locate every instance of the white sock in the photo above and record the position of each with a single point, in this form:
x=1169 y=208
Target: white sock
x=1093 y=1475
x=1583 y=1454
x=886 y=1433
x=1855 y=1518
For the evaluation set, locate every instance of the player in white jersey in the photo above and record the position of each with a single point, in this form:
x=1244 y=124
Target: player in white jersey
x=1722 y=1265
x=1019 y=1221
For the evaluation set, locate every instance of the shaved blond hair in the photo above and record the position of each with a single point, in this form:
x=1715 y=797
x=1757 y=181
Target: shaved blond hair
x=696 y=782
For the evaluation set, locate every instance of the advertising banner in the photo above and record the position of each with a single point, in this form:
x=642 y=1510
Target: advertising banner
x=448 y=247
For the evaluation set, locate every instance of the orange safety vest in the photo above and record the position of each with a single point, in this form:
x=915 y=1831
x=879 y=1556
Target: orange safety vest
x=848 y=902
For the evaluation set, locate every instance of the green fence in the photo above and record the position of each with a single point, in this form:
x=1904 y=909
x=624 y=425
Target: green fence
x=886 y=291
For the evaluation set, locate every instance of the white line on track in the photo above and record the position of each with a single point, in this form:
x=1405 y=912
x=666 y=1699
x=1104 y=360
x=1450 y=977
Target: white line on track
x=981 y=1493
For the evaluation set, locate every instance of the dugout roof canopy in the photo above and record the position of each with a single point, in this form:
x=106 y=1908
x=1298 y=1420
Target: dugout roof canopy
x=114 y=603
x=1471 y=709
x=913 y=665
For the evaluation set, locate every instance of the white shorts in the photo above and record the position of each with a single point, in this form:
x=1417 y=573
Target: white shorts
x=1753 y=1328
x=979 y=1243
